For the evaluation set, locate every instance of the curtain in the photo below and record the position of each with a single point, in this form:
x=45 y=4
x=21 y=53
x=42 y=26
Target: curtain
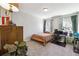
x=74 y=23
x=44 y=26
x=47 y=26
x=67 y=24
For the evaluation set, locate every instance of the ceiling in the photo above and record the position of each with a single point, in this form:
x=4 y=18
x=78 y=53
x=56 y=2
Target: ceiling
x=54 y=9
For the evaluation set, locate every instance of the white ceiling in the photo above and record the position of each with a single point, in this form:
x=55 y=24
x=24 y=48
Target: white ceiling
x=54 y=9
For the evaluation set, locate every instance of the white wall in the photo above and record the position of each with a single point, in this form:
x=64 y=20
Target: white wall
x=30 y=23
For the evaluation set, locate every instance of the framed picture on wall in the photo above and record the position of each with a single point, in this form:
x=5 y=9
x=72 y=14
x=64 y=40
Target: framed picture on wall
x=5 y=20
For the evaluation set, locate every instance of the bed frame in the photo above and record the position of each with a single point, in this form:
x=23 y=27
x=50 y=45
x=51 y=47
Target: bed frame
x=40 y=39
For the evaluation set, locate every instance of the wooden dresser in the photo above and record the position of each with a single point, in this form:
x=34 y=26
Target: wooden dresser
x=10 y=34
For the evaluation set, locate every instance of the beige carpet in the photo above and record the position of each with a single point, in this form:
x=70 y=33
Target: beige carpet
x=36 y=49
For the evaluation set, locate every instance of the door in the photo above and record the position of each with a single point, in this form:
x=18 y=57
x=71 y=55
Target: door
x=12 y=35
x=20 y=33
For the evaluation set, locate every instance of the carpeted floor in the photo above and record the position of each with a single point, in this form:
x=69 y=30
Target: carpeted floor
x=36 y=49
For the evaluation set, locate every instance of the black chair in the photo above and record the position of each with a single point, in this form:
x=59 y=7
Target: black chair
x=58 y=37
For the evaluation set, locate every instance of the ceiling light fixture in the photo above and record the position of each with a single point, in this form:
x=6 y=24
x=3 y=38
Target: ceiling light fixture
x=11 y=6
x=45 y=9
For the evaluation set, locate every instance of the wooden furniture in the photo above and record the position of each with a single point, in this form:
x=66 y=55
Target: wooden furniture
x=10 y=34
x=42 y=38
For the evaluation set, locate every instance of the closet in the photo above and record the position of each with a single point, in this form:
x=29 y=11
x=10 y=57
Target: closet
x=9 y=34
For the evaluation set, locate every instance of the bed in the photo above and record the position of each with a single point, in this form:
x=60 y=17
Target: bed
x=42 y=38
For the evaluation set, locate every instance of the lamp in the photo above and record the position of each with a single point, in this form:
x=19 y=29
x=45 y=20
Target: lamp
x=13 y=7
x=45 y=9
